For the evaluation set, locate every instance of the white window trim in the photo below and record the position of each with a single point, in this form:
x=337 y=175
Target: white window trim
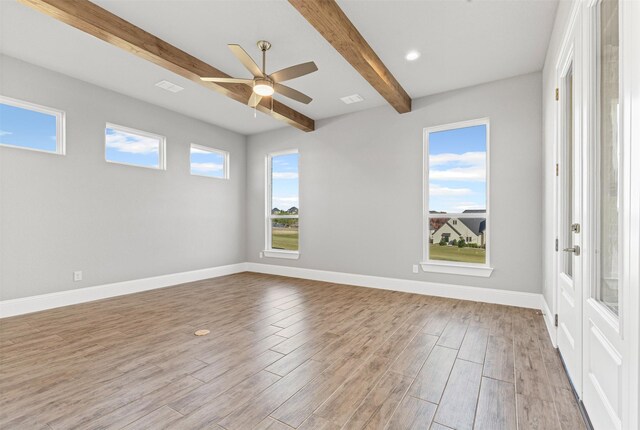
x=162 y=160
x=268 y=251
x=225 y=154
x=60 y=124
x=454 y=268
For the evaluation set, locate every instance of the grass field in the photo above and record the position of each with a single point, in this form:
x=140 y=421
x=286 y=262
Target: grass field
x=453 y=253
x=284 y=238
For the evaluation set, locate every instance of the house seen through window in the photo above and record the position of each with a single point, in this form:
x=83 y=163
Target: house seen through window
x=456 y=193
x=282 y=195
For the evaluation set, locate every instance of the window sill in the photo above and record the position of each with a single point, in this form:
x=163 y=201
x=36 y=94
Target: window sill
x=457 y=269
x=290 y=255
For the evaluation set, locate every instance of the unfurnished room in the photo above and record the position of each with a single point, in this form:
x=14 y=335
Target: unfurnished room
x=320 y=214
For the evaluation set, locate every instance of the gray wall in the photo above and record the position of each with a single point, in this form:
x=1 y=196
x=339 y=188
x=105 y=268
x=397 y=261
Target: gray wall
x=113 y=222
x=361 y=193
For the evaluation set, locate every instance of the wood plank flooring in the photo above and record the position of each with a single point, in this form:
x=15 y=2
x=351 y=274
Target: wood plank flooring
x=283 y=353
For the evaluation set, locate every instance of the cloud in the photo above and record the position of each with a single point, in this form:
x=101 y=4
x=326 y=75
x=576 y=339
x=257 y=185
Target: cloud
x=465 y=159
x=285 y=175
x=207 y=167
x=199 y=151
x=469 y=166
x=459 y=174
x=5 y=133
x=284 y=202
x=132 y=144
x=437 y=190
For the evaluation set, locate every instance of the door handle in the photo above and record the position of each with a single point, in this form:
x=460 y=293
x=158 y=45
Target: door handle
x=575 y=250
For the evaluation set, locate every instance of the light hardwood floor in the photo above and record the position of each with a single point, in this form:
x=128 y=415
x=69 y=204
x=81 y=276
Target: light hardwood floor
x=282 y=353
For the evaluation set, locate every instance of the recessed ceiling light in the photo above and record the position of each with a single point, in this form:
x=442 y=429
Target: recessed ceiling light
x=412 y=56
x=354 y=98
x=169 y=86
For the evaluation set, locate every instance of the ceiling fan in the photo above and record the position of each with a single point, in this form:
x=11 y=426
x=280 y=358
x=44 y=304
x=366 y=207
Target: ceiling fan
x=265 y=85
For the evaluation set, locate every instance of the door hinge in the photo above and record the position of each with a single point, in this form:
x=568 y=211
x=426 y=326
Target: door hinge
x=557 y=169
x=556 y=321
x=556 y=244
x=557 y=94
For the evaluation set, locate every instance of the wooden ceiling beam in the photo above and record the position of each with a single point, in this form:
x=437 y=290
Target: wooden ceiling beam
x=96 y=21
x=332 y=23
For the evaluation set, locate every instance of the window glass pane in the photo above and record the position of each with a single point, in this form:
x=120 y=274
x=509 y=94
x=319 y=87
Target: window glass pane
x=458 y=169
x=284 y=184
x=128 y=147
x=284 y=233
x=608 y=154
x=26 y=128
x=458 y=239
x=208 y=162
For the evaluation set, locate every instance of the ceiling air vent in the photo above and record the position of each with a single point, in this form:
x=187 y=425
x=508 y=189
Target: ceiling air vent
x=169 y=86
x=355 y=98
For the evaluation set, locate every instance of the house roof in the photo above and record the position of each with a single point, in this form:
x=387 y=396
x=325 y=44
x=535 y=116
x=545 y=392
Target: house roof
x=476 y=225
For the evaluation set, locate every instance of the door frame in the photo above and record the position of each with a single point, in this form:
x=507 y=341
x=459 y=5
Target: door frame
x=630 y=204
x=630 y=276
x=569 y=57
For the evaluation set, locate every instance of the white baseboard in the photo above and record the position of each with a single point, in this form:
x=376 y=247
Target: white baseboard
x=487 y=295
x=71 y=297
x=42 y=302
x=549 y=320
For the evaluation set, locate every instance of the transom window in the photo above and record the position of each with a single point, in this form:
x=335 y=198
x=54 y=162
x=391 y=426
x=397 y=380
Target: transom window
x=456 y=214
x=209 y=162
x=126 y=145
x=282 y=231
x=29 y=126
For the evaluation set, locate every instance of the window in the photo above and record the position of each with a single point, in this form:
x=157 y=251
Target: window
x=134 y=147
x=282 y=232
x=456 y=218
x=209 y=162
x=30 y=126
x=608 y=150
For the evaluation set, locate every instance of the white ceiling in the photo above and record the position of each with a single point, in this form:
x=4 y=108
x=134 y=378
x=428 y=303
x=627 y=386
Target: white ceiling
x=462 y=43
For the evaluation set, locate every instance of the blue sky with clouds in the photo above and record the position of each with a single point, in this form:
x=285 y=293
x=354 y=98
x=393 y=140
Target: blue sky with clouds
x=457 y=169
x=284 y=188
x=26 y=128
x=129 y=148
x=207 y=163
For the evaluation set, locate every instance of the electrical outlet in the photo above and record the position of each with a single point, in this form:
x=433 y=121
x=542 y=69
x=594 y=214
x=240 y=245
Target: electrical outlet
x=77 y=276
x=415 y=268
x=261 y=254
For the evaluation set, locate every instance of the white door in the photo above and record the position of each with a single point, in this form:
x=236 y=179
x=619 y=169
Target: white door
x=602 y=358
x=569 y=205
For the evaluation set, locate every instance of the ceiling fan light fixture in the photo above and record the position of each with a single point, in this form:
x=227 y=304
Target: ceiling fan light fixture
x=263 y=88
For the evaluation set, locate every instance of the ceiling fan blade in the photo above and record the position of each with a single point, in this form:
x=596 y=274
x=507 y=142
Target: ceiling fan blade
x=254 y=100
x=291 y=93
x=246 y=60
x=229 y=80
x=294 y=72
